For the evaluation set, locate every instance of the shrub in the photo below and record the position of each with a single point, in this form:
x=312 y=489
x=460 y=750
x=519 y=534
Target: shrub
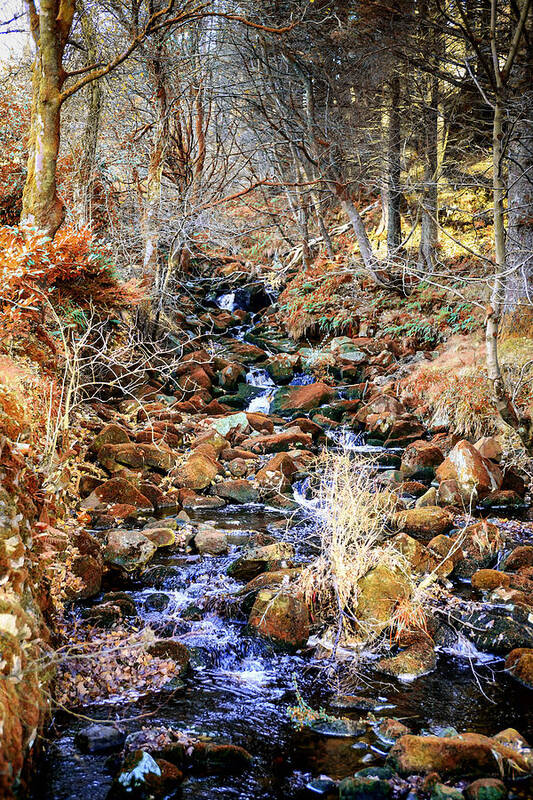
x=351 y=519
x=35 y=270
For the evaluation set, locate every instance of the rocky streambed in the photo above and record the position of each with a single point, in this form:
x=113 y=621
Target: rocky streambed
x=188 y=643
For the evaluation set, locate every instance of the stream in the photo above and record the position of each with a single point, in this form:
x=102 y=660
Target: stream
x=240 y=687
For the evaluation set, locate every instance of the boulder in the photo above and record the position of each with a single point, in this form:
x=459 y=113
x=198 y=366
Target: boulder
x=416 y=660
x=290 y=439
x=161 y=537
x=231 y=424
x=231 y=375
x=364 y=788
x=117 y=490
x=475 y=475
x=423 y=523
x=480 y=544
x=110 y=434
x=100 y=738
x=256 y=560
x=282 y=366
x=198 y=472
x=237 y=491
x=138 y=456
x=469 y=754
x=280 y=617
x=379 y=591
x=129 y=550
x=277 y=472
x=519 y=664
x=295 y=399
x=486 y=789
x=421 y=558
x=209 y=541
x=420 y=459
x=521 y=556
x=496 y=629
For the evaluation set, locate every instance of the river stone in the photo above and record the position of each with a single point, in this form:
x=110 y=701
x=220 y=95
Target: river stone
x=198 y=472
x=486 y=789
x=421 y=458
x=475 y=476
x=157 y=601
x=470 y=754
x=341 y=727
x=519 y=664
x=416 y=660
x=280 y=617
x=129 y=550
x=161 y=537
x=480 y=544
x=423 y=523
x=291 y=399
x=117 y=490
x=230 y=424
x=361 y=788
x=379 y=591
x=209 y=541
x=260 y=559
x=100 y=738
x=239 y=491
x=496 y=630
x=110 y=434
x=442 y=792
x=139 y=772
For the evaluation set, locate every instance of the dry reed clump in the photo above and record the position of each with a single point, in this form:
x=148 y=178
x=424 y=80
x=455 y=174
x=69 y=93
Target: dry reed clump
x=351 y=521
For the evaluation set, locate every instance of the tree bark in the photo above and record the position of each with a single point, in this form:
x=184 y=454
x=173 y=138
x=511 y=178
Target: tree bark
x=519 y=283
x=393 y=194
x=42 y=209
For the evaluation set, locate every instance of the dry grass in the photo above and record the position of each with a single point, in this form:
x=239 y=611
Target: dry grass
x=351 y=519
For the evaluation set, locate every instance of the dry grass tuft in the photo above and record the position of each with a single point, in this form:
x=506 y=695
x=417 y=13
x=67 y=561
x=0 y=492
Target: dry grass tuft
x=351 y=520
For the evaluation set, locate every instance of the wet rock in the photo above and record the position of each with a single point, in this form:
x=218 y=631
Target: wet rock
x=502 y=498
x=260 y=422
x=519 y=664
x=129 y=550
x=295 y=399
x=390 y=729
x=136 y=456
x=420 y=459
x=486 y=789
x=279 y=442
x=260 y=559
x=282 y=367
x=447 y=547
x=171 y=650
x=475 y=476
x=198 y=472
x=231 y=424
x=117 y=490
x=423 y=523
x=442 y=792
x=140 y=775
x=209 y=541
x=237 y=491
x=266 y=580
x=480 y=544
x=100 y=738
x=416 y=660
x=161 y=537
x=497 y=630
x=521 y=556
x=340 y=727
x=243 y=352
x=469 y=754
x=362 y=788
x=485 y=580
x=281 y=618
x=276 y=473
x=157 y=601
x=231 y=375
x=88 y=569
x=379 y=591
x=212 y=438
x=194 y=502
x=110 y=434
x=421 y=558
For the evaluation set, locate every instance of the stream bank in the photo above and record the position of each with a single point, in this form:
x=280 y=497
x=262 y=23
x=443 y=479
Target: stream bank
x=196 y=502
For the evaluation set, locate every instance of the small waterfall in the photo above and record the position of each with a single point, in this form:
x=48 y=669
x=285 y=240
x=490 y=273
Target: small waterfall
x=260 y=378
x=226 y=301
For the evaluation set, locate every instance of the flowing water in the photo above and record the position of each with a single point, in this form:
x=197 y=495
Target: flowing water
x=240 y=688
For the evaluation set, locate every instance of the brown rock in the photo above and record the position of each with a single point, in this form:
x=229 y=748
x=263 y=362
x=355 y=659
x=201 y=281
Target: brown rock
x=198 y=472
x=423 y=523
x=475 y=476
x=110 y=434
x=280 y=617
x=519 y=663
x=117 y=490
x=278 y=442
x=421 y=458
x=136 y=456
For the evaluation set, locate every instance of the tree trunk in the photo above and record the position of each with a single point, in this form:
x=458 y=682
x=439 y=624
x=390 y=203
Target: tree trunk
x=42 y=209
x=85 y=177
x=393 y=194
x=429 y=227
x=519 y=283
